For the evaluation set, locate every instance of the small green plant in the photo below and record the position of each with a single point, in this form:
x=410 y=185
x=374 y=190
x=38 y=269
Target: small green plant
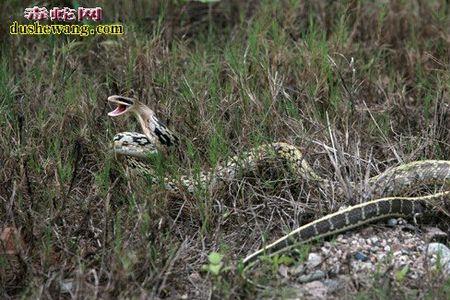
x=400 y=275
x=303 y=251
x=274 y=262
x=215 y=264
x=279 y=260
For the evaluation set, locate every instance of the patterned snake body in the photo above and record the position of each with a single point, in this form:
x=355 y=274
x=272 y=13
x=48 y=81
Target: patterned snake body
x=136 y=148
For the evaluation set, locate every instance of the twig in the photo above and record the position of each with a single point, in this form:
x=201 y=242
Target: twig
x=77 y=150
x=22 y=137
x=10 y=212
x=344 y=84
x=169 y=266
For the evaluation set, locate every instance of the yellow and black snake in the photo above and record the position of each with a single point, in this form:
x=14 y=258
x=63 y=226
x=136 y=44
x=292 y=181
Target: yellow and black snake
x=136 y=147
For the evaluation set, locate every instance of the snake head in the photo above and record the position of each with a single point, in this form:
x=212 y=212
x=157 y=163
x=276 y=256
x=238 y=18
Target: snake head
x=123 y=105
x=152 y=127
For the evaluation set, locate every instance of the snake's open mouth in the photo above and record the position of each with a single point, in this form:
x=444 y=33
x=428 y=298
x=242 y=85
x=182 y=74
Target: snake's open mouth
x=123 y=104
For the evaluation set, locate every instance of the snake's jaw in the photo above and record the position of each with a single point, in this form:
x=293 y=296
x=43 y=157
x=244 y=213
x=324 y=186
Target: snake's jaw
x=123 y=105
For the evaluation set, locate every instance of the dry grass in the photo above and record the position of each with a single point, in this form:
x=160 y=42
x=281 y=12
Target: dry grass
x=358 y=85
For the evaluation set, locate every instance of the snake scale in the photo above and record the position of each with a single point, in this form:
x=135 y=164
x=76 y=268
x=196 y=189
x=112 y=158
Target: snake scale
x=136 y=148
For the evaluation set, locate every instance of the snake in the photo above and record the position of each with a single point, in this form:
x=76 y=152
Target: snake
x=136 y=148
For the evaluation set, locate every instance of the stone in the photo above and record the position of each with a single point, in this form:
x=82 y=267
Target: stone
x=392 y=222
x=360 y=256
x=316 y=275
x=443 y=253
x=283 y=271
x=297 y=269
x=374 y=240
x=332 y=285
x=316 y=289
x=438 y=248
x=314 y=260
x=434 y=233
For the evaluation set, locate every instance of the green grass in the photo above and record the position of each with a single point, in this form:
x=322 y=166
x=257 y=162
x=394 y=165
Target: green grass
x=226 y=77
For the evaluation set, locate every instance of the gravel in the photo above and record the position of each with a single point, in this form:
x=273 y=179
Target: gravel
x=358 y=256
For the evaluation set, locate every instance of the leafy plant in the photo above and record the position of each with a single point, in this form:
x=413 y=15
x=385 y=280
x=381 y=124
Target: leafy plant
x=215 y=264
x=400 y=275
